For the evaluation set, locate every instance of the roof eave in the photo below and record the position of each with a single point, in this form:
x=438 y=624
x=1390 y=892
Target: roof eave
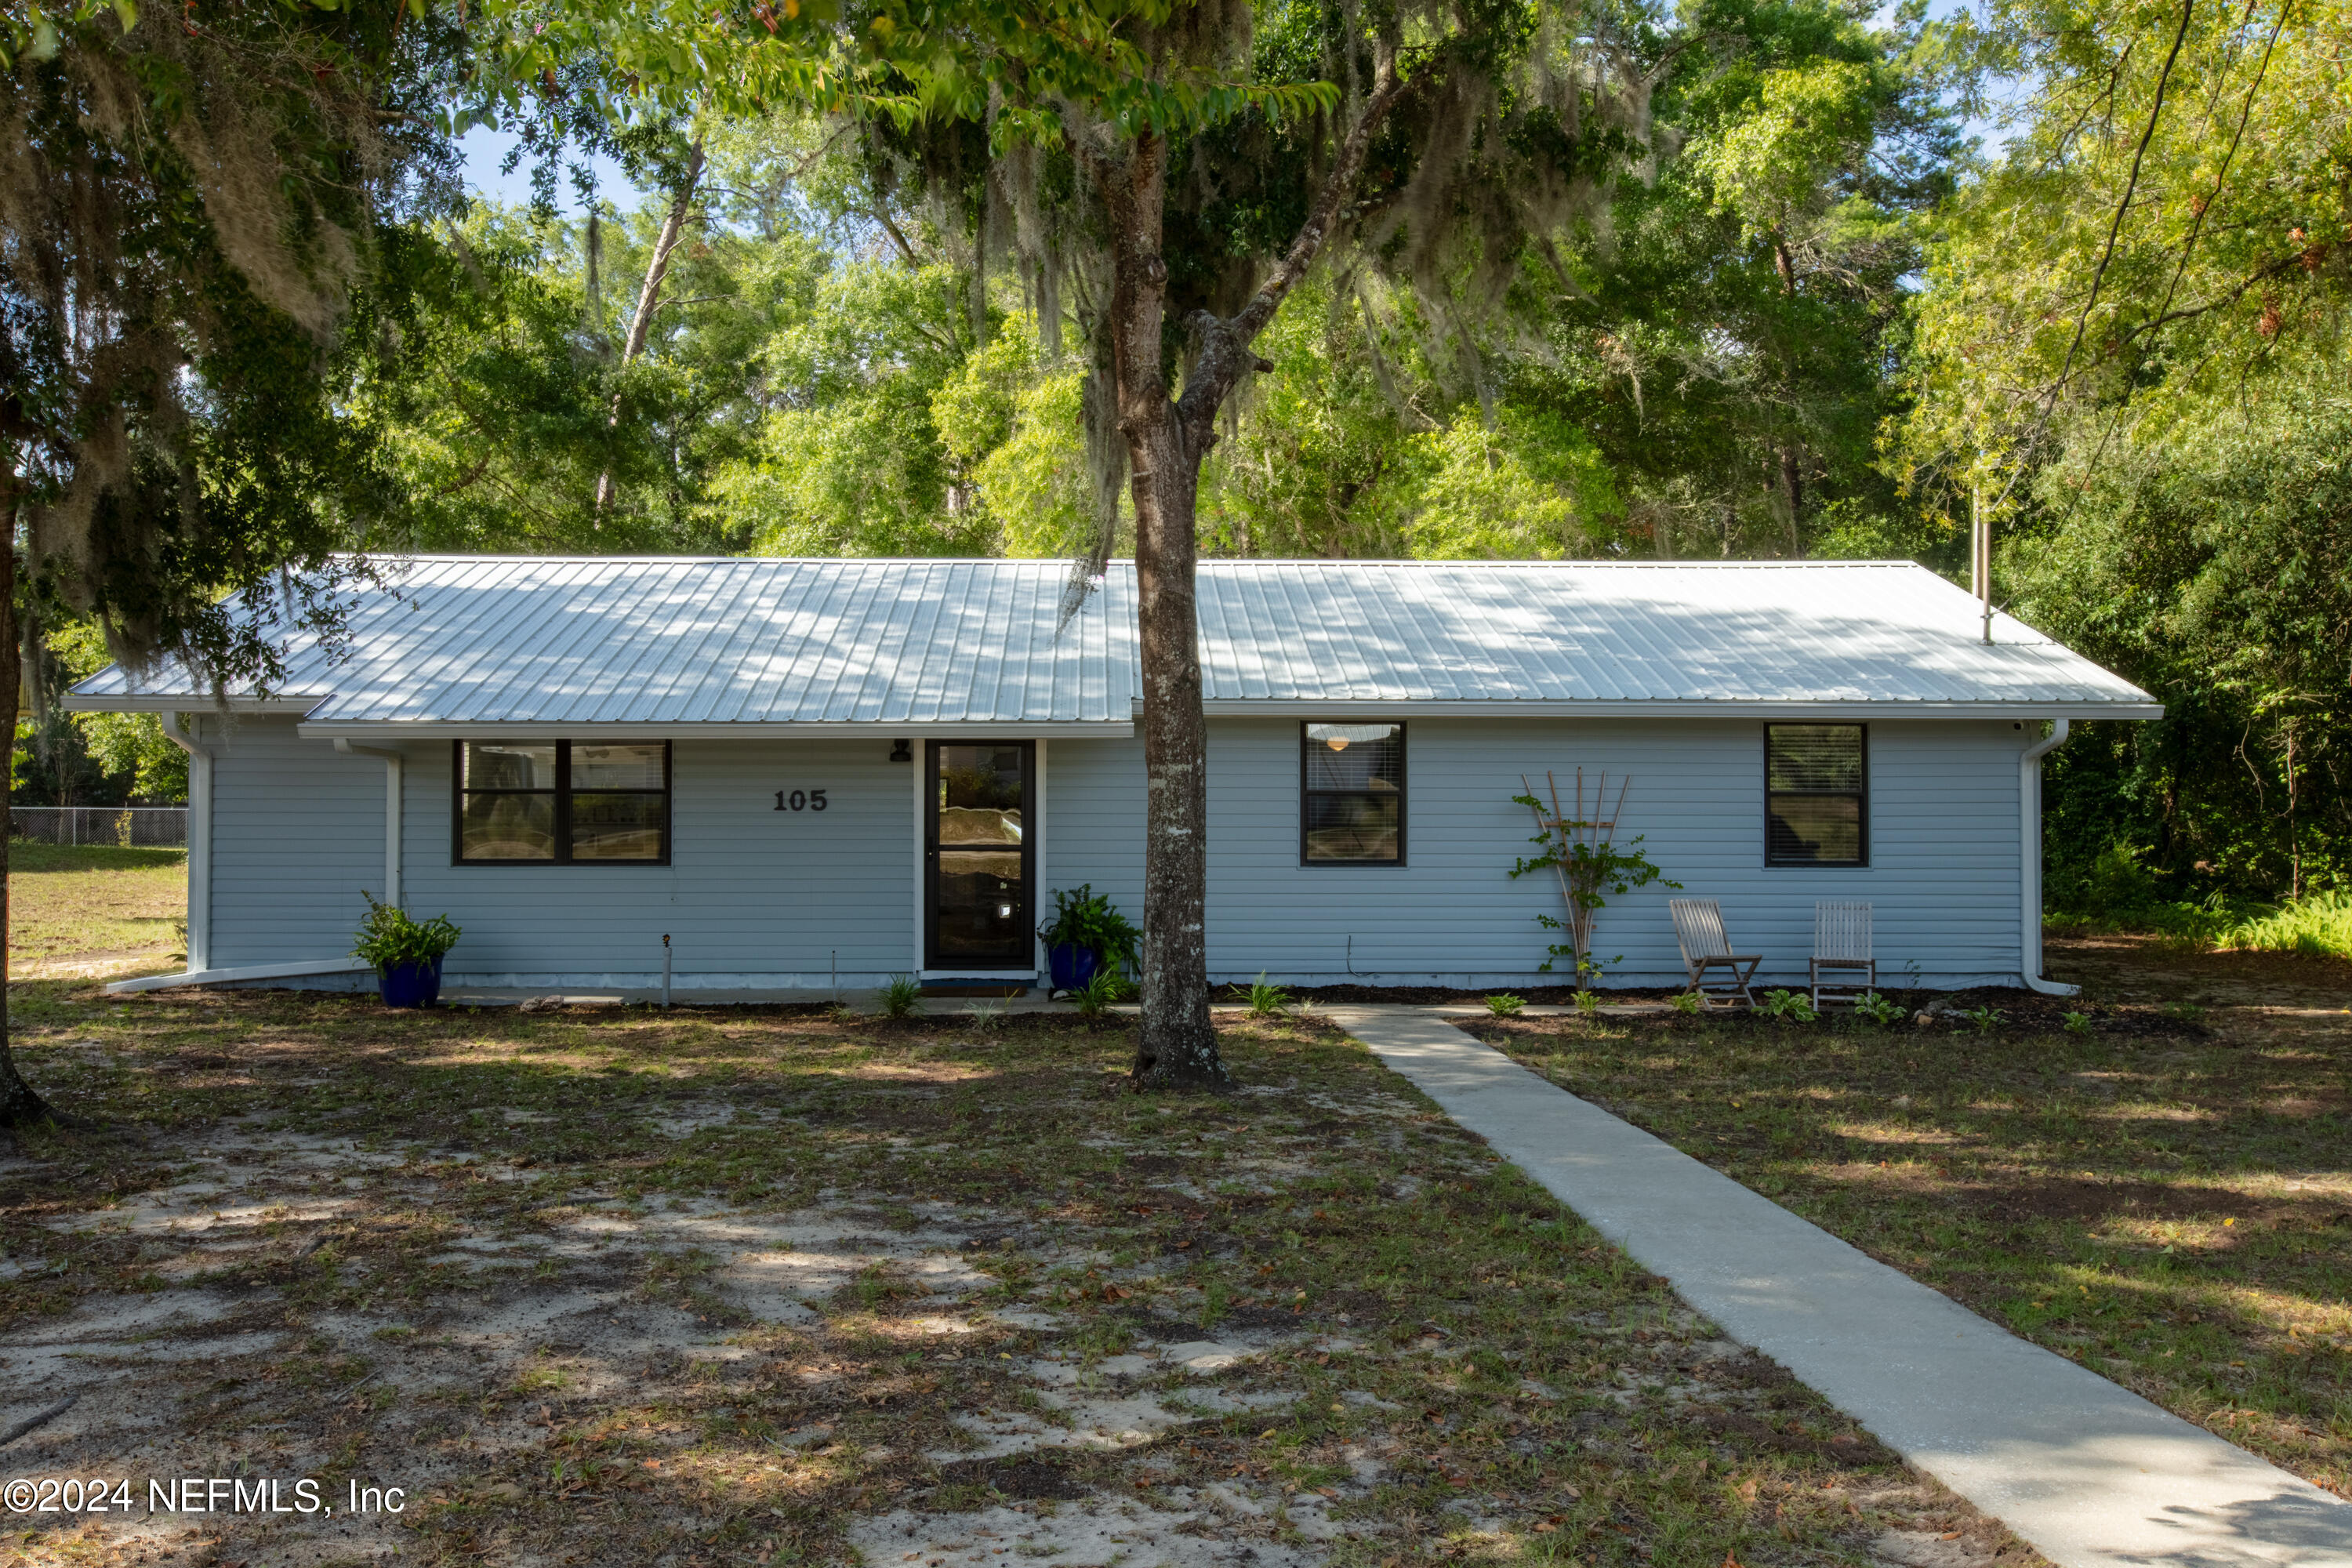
x=1688 y=708
x=865 y=728
x=186 y=702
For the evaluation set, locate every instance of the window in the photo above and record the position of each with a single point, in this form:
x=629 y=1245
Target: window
x=1813 y=796
x=562 y=802
x=1351 y=794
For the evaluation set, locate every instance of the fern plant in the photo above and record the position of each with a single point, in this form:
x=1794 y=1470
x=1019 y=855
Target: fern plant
x=389 y=936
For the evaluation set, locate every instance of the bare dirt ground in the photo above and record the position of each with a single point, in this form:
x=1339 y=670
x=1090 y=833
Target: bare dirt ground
x=616 y=1286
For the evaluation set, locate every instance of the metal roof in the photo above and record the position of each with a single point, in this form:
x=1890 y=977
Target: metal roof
x=752 y=646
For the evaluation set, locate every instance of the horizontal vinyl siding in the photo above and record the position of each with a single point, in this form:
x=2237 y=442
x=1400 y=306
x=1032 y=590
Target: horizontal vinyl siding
x=298 y=831
x=1094 y=821
x=1943 y=878
x=754 y=894
x=749 y=891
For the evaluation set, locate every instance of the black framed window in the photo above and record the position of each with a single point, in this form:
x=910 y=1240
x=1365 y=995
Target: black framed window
x=1351 y=794
x=538 y=802
x=1816 y=795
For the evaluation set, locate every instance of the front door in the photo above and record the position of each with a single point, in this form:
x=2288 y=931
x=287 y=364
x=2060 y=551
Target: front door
x=978 y=857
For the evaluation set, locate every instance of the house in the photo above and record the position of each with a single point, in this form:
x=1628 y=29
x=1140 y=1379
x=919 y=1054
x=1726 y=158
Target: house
x=803 y=773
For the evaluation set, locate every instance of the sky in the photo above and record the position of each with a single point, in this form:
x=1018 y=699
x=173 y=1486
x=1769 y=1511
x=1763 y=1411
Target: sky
x=484 y=150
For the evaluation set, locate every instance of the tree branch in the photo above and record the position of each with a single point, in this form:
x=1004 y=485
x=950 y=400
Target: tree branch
x=2131 y=185
x=1225 y=353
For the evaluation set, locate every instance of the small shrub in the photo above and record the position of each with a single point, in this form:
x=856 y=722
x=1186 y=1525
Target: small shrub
x=1085 y=919
x=1102 y=990
x=1267 y=1001
x=1690 y=1003
x=1986 y=1019
x=1588 y=1002
x=985 y=1017
x=2077 y=1022
x=1506 y=1005
x=1787 y=1006
x=388 y=936
x=900 y=995
x=1870 y=1005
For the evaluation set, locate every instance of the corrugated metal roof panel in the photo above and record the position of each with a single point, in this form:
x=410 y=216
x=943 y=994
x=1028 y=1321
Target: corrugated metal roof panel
x=665 y=643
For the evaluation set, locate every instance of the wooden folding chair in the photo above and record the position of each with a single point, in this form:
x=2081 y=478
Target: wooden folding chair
x=1842 y=969
x=1719 y=975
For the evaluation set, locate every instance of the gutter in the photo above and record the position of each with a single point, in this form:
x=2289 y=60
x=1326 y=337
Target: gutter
x=177 y=730
x=196 y=975
x=2028 y=822
x=394 y=765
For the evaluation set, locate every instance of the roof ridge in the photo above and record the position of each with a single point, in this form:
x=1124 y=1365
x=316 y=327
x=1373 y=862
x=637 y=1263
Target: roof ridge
x=1221 y=562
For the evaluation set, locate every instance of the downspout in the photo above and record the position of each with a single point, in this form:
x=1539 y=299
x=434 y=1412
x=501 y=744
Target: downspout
x=393 y=765
x=2029 y=824
x=177 y=729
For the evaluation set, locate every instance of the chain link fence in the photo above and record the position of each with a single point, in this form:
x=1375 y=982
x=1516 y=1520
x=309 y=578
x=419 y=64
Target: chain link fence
x=129 y=826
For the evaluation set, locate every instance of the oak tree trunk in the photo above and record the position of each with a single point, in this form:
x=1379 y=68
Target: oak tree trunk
x=19 y=1106
x=1166 y=441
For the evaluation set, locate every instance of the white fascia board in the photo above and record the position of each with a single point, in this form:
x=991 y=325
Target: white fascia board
x=396 y=730
x=1847 y=712
x=187 y=702
x=245 y=971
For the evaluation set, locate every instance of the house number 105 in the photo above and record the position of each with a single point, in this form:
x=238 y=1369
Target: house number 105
x=799 y=800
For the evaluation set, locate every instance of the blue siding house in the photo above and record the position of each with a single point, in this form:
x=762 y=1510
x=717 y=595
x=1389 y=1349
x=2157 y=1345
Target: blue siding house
x=812 y=772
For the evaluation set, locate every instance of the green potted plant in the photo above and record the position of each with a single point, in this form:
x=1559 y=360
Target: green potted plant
x=406 y=952
x=1086 y=934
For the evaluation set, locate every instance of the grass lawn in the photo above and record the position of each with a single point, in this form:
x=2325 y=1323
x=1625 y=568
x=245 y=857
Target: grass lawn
x=2167 y=1198
x=93 y=910
x=618 y=1286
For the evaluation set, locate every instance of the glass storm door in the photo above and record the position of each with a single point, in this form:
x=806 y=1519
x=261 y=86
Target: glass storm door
x=977 y=858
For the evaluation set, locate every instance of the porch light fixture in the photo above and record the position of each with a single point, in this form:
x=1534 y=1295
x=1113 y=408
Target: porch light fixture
x=1337 y=743
x=902 y=751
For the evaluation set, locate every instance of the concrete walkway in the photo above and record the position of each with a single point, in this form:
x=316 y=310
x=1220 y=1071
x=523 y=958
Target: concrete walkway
x=2091 y=1475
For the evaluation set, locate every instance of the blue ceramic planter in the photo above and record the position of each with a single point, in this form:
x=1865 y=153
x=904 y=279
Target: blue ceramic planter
x=1071 y=965
x=410 y=985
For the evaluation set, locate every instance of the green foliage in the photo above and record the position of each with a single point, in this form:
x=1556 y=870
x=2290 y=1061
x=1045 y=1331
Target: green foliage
x=1985 y=1020
x=1588 y=1002
x=1689 y=1003
x=2320 y=924
x=899 y=996
x=1589 y=867
x=1882 y=1011
x=1083 y=918
x=1104 y=990
x=1267 y=1001
x=2076 y=1023
x=1506 y=1005
x=389 y=936
x=1787 y=1007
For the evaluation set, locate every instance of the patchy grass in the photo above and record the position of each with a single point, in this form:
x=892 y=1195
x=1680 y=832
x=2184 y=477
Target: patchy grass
x=92 y=910
x=777 y=1286
x=2163 y=1196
